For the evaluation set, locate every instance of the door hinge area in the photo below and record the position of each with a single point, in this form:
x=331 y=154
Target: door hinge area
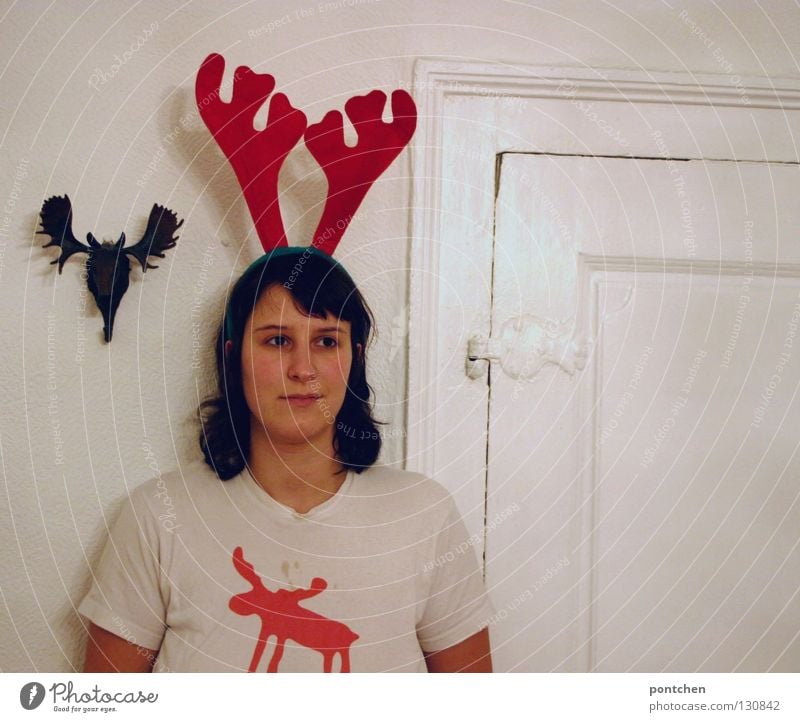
x=480 y=352
x=525 y=345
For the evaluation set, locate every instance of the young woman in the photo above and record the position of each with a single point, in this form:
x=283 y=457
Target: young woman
x=288 y=549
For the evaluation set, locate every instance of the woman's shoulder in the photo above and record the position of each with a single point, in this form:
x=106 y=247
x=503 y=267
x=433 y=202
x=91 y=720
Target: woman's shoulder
x=410 y=490
x=173 y=487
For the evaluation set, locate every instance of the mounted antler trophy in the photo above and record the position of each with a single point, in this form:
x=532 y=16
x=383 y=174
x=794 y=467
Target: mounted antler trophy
x=108 y=266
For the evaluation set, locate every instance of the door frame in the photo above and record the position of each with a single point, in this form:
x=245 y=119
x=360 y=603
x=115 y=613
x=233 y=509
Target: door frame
x=690 y=110
x=437 y=82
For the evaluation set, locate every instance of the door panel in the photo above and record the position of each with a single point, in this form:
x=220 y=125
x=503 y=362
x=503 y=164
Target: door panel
x=642 y=513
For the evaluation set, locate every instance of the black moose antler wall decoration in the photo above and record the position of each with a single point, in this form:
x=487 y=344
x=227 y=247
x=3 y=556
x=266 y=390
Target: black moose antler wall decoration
x=107 y=267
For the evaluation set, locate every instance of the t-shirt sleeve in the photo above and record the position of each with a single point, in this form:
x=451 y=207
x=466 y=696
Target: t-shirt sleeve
x=128 y=596
x=457 y=605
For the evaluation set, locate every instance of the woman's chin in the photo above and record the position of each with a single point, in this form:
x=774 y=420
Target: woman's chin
x=296 y=432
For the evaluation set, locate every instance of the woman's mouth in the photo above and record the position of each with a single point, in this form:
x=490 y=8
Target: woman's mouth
x=301 y=400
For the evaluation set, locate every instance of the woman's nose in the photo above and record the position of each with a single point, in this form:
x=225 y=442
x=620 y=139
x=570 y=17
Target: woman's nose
x=301 y=365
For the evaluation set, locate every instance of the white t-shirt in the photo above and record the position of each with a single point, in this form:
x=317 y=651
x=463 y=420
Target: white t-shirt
x=219 y=576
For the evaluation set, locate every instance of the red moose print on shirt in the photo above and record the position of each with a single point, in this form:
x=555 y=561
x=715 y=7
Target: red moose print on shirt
x=282 y=615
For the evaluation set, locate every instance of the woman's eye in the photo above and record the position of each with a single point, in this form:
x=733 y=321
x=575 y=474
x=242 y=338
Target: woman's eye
x=277 y=341
x=329 y=342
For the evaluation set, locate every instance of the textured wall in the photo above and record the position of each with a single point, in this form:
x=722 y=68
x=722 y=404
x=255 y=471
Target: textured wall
x=98 y=103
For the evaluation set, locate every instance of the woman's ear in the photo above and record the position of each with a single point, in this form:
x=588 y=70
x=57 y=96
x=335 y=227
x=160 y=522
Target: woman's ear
x=228 y=347
x=360 y=351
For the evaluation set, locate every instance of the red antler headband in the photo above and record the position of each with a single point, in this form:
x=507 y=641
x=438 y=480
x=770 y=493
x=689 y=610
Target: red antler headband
x=257 y=155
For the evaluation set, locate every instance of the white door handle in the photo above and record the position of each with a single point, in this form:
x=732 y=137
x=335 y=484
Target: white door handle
x=525 y=345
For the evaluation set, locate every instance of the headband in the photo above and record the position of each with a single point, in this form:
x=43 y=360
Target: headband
x=261 y=261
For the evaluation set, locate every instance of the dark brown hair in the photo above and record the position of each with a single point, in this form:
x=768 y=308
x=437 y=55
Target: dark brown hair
x=320 y=287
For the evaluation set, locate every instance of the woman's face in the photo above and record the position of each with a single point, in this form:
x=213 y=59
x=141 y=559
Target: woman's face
x=294 y=370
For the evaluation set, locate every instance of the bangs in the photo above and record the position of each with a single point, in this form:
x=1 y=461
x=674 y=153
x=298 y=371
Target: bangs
x=319 y=286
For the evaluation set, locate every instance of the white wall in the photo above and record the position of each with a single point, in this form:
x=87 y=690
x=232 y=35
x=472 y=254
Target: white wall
x=85 y=421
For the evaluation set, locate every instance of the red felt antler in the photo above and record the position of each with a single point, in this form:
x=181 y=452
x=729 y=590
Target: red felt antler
x=351 y=171
x=256 y=155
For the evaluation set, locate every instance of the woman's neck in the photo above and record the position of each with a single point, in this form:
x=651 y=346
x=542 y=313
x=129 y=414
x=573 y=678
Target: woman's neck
x=300 y=476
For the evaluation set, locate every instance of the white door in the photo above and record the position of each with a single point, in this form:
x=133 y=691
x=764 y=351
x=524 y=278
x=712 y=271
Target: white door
x=640 y=513
x=643 y=513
